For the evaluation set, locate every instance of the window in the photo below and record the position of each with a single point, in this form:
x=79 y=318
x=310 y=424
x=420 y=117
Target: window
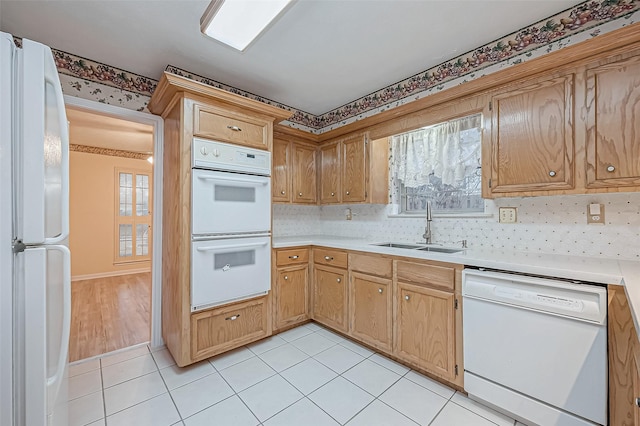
x=440 y=163
x=133 y=218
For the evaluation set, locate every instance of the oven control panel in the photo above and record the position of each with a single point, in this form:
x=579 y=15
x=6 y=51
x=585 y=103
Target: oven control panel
x=228 y=157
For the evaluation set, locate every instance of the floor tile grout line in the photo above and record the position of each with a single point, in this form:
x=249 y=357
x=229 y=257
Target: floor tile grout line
x=474 y=412
x=209 y=406
x=322 y=409
x=239 y=397
x=128 y=380
x=104 y=400
x=396 y=410
x=167 y=388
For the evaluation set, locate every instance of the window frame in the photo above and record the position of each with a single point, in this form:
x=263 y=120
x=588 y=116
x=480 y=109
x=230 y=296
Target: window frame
x=134 y=220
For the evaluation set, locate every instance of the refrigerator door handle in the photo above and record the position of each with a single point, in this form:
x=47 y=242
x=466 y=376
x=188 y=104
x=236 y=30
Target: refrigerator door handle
x=51 y=77
x=54 y=381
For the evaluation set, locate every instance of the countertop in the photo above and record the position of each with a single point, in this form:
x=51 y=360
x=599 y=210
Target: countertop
x=581 y=268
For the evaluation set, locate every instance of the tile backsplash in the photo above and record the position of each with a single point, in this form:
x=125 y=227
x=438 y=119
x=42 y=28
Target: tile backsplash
x=551 y=224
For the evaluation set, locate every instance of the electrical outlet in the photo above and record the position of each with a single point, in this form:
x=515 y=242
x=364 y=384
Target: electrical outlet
x=595 y=214
x=508 y=214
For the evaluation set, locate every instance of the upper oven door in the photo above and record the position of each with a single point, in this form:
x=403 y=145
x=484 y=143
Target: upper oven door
x=230 y=203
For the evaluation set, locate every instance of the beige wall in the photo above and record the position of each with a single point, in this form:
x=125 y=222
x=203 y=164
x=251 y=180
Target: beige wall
x=92 y=213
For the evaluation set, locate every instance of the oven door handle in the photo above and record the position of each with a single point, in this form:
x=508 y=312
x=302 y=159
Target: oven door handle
x=255 y=182
x=232 y=246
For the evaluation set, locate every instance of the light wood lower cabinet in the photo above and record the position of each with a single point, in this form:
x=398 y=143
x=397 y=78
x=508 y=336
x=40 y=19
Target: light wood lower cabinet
x=219 y=330
x=426 y=328
x=291 y=298
x=371 y=309
x=330 y=297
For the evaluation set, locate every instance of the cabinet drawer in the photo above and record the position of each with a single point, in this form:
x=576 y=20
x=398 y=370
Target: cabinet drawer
x=221 y=329
x=226 y=126
x=430 y=275
x=330 y=257
x=292 y=256
x=372 y=265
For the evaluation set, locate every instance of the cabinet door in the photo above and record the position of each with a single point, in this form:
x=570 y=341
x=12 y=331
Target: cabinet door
x=532 y=138
x=635 y=372
x=291 y=295
x=371 y=309
x=613 y=120
x=281 y=175
x=330 y=174
x=354 y=170
x=426 y=329
x=330 y=297
x=304 y=174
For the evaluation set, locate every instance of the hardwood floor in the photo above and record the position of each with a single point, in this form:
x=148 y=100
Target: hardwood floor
x=109 y=314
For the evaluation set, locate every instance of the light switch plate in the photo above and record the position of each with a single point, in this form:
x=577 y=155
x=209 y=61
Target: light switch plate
x=508 y=214
x=597 y=218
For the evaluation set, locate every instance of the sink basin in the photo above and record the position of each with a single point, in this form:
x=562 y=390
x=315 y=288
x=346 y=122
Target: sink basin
x=397 y=245
x=440 y=249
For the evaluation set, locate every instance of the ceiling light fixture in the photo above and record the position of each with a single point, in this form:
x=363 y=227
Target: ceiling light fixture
x=238 y=22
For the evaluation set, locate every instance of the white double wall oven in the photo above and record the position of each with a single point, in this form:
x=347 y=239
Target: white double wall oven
x=230 y=223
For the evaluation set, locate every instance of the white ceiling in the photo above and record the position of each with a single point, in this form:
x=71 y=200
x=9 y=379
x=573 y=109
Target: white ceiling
x=319 y=55
x=90 y=129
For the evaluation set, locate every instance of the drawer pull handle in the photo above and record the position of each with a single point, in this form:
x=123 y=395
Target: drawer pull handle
x=294 y=257
x=380 y=290
x=232 y=318
x=610 y=169
x=282 y=192
x=339 y=280
x=286 y=277
x=637 y=402
x=299 y=194
x=406 y=297
x=234 y=128
x=329 y=258
x=552 y=173
x=333 y=194
x=347 y=192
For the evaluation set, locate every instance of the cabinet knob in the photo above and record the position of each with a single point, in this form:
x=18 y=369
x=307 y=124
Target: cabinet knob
x=339 y=280
x=637 y=402
x=286 y=277
x=333 y=194
x=234 y=128
x=282 y=192
x=406 y=297
x=610 y=168
x=300 y=194
x=552 y=173
x=380 y=290
x=232 y=318
x=329 y=258
x=294 y=257
x=347 y=192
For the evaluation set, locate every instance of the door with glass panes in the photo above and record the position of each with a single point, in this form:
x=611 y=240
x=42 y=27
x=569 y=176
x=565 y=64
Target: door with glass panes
x=133 y=216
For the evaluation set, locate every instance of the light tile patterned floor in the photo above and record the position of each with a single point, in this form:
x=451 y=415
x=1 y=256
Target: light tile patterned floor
x=304 y=376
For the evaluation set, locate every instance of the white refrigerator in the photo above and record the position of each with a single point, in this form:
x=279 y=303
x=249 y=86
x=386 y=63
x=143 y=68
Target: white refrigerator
x=35 y=295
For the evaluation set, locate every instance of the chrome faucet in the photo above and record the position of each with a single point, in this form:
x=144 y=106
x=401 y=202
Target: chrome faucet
x=427 y=229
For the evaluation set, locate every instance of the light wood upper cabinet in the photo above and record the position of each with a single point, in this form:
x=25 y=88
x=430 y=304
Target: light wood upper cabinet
x=304 y=174
x=613 y=124
x=330 y=174
x=281 y=174
x=426 y=328
x=371 y=309
x=330 y=297
x=532 y=137
x=354 y=170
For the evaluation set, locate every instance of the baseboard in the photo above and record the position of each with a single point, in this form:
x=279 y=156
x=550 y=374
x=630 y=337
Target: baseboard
x=109 y=274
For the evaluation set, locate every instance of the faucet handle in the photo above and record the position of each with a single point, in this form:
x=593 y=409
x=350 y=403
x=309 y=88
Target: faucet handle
x=464 y=243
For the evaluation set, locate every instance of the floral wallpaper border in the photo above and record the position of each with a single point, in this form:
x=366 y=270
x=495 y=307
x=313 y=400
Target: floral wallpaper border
x=108 y=151
x=97 y=81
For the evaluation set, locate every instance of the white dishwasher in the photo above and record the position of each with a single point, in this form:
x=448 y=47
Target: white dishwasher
x=536 y=348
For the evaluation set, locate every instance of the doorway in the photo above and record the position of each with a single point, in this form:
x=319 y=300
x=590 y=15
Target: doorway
x=111 y=231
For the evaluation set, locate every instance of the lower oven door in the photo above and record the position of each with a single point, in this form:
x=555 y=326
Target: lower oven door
x=227 y=270
x=230 y=203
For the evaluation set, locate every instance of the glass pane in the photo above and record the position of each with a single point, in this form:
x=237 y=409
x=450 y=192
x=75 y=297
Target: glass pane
x=142 y=195
x=142 y=240
x=126 y=241
x=235 y=194
x=126 y=194
x=234 y=259
x=52 y=164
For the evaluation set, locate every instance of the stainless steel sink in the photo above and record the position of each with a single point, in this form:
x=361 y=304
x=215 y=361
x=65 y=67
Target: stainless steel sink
x=397 y=245
x=440 y=249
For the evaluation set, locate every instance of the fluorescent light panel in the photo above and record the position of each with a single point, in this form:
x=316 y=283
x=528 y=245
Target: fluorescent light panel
x=238 y=22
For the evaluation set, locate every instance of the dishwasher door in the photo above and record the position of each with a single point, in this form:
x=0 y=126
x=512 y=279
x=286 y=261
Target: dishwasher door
x=536 y=348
